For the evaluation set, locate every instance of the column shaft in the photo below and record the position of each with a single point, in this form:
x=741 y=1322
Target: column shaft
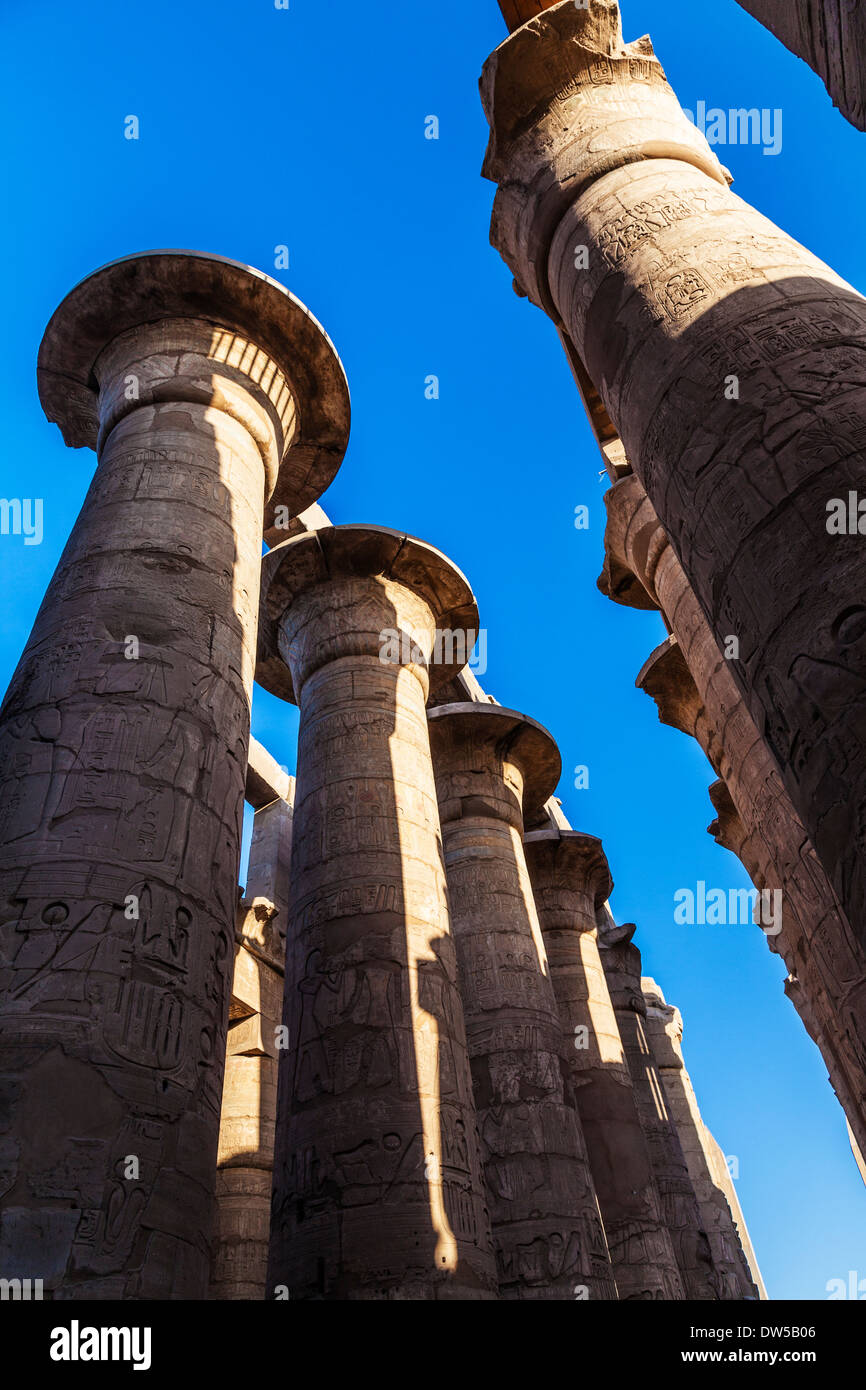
x=123 y=748
x=733 y=1256
x=826 y=962
x=569 y=875
x=377 y=1184
x=543 y=1206
x=685 y=293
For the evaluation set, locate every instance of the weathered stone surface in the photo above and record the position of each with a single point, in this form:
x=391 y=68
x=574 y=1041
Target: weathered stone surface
x=490 y=763
x=245 y=1159
x=621 y=960
x=123 y=743
x=378 y=1192
x=733 y=1256
x=829 y=35
x=687 y=287
x=571 y=881
x=695 y=690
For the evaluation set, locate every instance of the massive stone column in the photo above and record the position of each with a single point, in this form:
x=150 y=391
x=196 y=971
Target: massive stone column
x=378 y=1192
x=722 y=1218
x=705 y=329
x=571 y=880
x=245 y=1158
x=205 y=389
x=490 y=762
x=679 y=1207
x=695 y=690
x=829 y=35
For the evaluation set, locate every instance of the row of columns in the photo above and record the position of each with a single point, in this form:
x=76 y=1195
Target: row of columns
x=458 y=1115
x=704 y=328
x=695 y=690
x=433 y=1133
x=213 y=399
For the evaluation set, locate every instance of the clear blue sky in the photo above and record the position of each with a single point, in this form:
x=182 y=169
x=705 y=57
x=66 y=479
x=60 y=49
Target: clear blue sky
x=261 y=127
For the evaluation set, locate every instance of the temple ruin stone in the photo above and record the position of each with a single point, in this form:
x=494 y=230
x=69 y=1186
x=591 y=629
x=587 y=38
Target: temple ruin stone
x=245 y=1157
x=695 y=691
x=490 y=763
x=651 y=1217
x=205 y=389
x=378 y=1190
x=722 y=1217
x=702 y=325
x=829 y=35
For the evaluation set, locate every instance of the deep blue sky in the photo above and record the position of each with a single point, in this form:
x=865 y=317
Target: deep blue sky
x=306 y=127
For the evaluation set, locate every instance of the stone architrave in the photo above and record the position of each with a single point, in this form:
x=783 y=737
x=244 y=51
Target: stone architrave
x=722 y=1218
x=704 y=328
x=489 y=763
x=378 y=1191
x=829 y=35
x=205 y=389
x=245 y=1159
x=571 y=881
x=695 y=690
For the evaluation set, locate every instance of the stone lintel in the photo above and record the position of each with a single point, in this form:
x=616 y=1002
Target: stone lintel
x=610 y=445
x=266 y=780
x=667 y=679
x=170 y=284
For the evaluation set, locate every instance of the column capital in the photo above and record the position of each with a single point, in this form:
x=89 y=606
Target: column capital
x=377 y=570
x=491 y=762
x=622 y=966
x=667 y=1037
x=569 y=862
x=666 y=678
x=547 y=142
x=634 y=541
x=280 y=338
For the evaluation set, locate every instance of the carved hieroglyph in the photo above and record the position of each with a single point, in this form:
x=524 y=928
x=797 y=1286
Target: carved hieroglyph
x=683 y=288
x=570 y=880
x=489 y=763
x=733 y=1256
x=123 y=743
x=695 y=691
x=829 y=35
x=378 y=1192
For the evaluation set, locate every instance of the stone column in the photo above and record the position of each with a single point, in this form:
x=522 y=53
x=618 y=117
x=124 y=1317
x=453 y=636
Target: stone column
x=680 y=1212
x=829 y=35
x=245 y=1158
x=695 y=690
x=704 y=328
x=571 y=880
x=722 y=1218
x=205 y=388
x=490 y=763
x=378 y=1192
